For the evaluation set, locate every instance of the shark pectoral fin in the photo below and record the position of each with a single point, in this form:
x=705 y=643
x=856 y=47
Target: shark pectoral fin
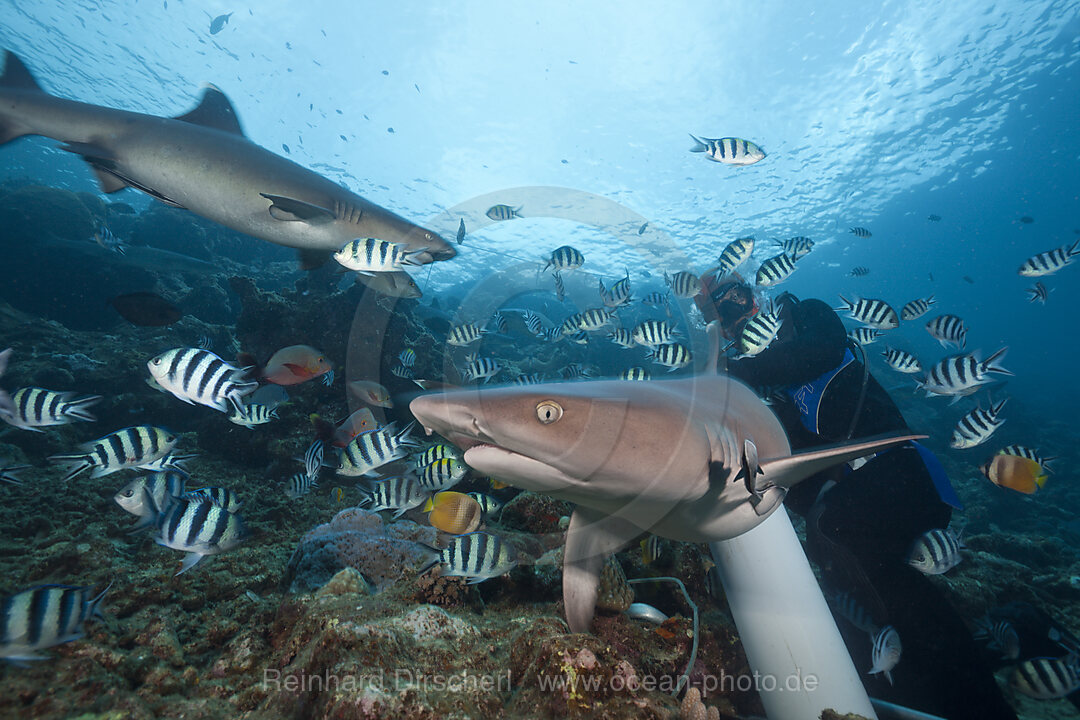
x=314 y=259
x=214 y=111
x=787 y=471
x=291 y=210
x=109 y=182
x=591 y=537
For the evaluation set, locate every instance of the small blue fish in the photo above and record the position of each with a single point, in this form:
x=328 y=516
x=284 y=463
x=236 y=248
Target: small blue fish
x=328 y=378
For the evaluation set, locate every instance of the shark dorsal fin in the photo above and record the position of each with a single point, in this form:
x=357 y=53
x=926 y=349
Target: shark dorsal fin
x=16 y=75
x=214 y=111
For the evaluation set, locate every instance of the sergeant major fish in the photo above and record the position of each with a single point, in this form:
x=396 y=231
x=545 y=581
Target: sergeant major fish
x=916 y=308
x=396 y=493
x=371 y=450
x=127 y=448
x=35 y=408
x=200 y=528
x=935 y=552
x=683 y=284
x=44 y=616
x=1049 y=262
x=565 y=258
x=948 y=329
x=977 y=426
x=902 y=361
x=961 y=375
x=477 y=556
x=728 y=150
x=877 y=314
x=885 y=652
x=671 y=355
x=200 y=377
x=371 y=255
x=222 y=497
x=146 y=495
x=735 y=254
x=775 y=270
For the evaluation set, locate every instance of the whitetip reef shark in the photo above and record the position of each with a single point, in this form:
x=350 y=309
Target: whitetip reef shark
x=696 y=459
x=202 y=161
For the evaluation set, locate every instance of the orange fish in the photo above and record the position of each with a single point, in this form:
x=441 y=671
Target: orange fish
x=372 y=393
x=295 y=364
x=359 y=422
x=1014 y=472
x=496 y=484
x=453 y=512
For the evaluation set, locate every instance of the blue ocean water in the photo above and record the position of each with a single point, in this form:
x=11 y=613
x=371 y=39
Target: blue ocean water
x=871 y=116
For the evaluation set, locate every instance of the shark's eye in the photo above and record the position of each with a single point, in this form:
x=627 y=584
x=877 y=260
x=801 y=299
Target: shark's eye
x=548 y=411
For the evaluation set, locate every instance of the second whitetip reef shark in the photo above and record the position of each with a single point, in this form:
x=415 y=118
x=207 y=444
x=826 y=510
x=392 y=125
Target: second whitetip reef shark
x=697 y=459
x=202 y=161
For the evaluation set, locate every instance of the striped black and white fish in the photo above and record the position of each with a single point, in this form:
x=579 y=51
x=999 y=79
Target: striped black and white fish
x=589 y=320
x=796 y=247
x=533 y=322
x=127 y=448
x=442 y=474
x=758 y=333
x=253 y=414
x=999 y=635
x=1049 y=262
x=488 y=505
x=499 y=322
x=618 y=295
x=36 y=408
x=977 y=426
x=313 y=459
x=372 y=255
x=407 y=357
x=859 y=271
x=848 y=607
x=299 y=484
x=529 y=379
x=671 y=355
x=1030 y=454
x=581 y=337
x=403 y=372
x=916 y=308
x=205 y=342
x=636 y=374
x=960 y=375
x=477 y=556
x=462 y=335
x=877 y=314
x=622 y=337
x=1047 y=678
x=948 y=330
x=200 y=377
x=576 y=371
x=935 y=552
x=460 y=238
x=554 y=334
x=656 y=299
x=728 y=150
x=864 y=335
x=372 y=449
x=653 y=332
x=199 y=528
x=683 y=284
x=222 y=497
x=560 y=286
x=902 y=361
x=503 y=212
x=1038 y=293
x=146 y=495
x=775 y=270
x=481 y=369
x=436 y=452
x=735 y=254
x=565 y=258
x=860 y=232
x=44 y=616
x=398 y=493
x=886 y=651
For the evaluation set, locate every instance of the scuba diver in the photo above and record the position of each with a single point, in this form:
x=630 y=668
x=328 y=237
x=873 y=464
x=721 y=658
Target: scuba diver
x=863 y=518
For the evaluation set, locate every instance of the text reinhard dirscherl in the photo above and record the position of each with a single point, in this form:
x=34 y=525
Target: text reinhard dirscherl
x=405 y=679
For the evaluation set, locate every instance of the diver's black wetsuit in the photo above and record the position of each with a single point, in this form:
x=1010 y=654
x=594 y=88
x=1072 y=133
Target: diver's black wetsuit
x=860 y=531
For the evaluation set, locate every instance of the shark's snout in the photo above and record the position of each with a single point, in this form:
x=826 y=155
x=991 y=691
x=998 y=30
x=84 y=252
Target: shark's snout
x=453 y=421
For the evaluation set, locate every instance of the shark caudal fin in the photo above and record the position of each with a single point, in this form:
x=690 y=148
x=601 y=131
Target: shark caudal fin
x=15 y=77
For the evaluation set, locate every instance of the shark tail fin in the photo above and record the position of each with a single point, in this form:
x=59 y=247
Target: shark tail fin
x=15 y=77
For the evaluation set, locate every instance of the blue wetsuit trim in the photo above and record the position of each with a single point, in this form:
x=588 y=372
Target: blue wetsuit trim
x=807 y=397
